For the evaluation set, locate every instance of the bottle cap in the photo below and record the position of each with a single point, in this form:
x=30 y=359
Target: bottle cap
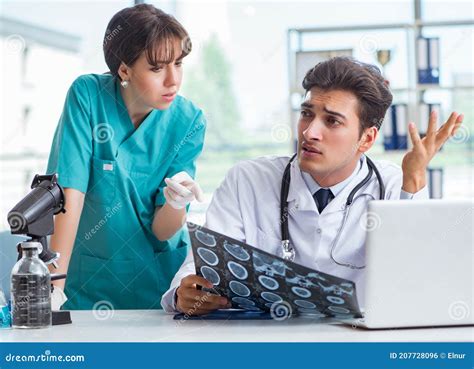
x=32 y=245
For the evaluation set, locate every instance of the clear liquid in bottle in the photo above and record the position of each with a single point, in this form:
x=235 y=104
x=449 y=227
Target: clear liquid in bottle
x=31 y=290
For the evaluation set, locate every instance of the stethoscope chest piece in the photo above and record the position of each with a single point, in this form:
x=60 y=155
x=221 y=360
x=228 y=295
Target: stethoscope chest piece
x=288 y=252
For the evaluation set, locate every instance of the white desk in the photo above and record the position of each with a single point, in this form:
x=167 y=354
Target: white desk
x=156 y=326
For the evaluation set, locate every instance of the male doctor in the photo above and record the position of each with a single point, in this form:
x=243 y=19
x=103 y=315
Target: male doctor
x=344 y=106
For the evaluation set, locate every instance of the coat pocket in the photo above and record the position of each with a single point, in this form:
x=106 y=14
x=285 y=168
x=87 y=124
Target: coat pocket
x=268 y=243
x=102 y=183
x=106 y=283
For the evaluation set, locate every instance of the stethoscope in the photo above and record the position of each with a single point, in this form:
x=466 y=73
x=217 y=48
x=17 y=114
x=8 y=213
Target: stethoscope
x=288 y=250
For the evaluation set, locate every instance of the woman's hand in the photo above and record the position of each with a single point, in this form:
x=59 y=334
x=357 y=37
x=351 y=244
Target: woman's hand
x=58 y=298
x=181 y=190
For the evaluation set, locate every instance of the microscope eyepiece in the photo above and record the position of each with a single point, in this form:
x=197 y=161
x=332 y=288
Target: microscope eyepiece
x=34 y=214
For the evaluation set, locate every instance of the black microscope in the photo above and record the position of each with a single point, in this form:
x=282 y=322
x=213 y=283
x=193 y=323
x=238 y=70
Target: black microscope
x=34 y=217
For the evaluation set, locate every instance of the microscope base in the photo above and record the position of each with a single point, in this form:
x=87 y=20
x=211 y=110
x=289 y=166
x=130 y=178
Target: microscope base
x=61 y=317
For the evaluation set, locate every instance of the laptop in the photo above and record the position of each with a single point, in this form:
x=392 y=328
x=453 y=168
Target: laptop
x=419 y=264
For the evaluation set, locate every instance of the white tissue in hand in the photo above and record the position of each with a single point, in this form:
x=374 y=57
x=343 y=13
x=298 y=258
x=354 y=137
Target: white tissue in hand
x=58 y=298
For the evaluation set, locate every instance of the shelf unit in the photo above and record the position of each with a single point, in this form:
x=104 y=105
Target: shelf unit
x=413 y=31
x=415 y=91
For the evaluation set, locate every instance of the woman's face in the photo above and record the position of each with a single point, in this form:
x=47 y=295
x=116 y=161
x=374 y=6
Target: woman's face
x=155 y=87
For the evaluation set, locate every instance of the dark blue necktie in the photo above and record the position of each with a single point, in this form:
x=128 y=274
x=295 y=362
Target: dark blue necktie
x=322 y=197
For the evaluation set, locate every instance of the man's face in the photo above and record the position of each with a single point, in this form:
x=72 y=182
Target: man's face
x=328 y=135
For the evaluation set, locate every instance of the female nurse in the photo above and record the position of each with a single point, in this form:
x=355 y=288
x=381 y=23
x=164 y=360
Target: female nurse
x=125 y=150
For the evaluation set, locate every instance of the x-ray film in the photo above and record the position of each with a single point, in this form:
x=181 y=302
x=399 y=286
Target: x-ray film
x=255 y=280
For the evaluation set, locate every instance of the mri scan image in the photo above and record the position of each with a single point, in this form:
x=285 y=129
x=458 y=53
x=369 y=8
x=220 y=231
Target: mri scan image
x=335 y=300
x=236 y=251
x=243 y=301
x=339 y=310
x=305 y=304
x=208 y=256
x=250 y=308
x=205 y=238
x=301 y=292
x=254 y=280
x=309 y=280
x=239 y=288
x=271 y=297
x=237 y=270
x=268 y=282
x=268 y=265
x=210 y=274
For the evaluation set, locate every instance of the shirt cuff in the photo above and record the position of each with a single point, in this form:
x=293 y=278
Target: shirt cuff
x=421 y=194
x=406 y=195
x=168 y=301
x=175 y=299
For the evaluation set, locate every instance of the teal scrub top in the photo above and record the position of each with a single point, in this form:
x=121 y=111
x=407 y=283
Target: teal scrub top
x=117 y=261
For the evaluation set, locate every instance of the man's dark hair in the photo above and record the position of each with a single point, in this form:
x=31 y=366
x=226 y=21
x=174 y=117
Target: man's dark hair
x=141 y=28
x=364 y=80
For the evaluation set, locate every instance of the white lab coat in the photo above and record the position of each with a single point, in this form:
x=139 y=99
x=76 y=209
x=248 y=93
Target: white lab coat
x=246 y=207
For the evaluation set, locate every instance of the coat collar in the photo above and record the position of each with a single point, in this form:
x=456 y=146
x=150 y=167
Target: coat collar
x=300 y=197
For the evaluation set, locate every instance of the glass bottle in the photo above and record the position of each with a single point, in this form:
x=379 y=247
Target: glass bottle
x=31 y=289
